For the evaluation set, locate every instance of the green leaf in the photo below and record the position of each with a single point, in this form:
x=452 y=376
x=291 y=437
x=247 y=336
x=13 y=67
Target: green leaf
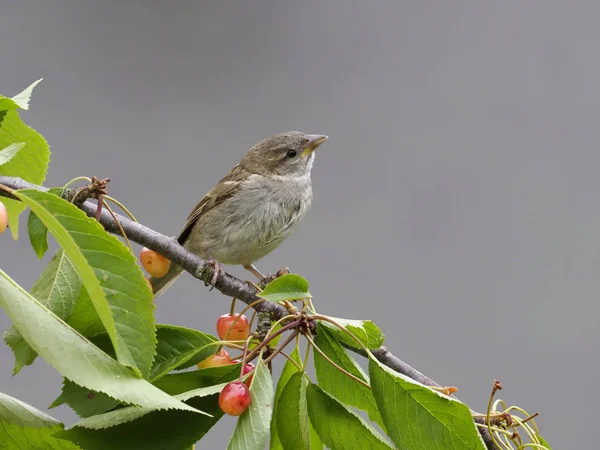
x=292 y=415
x=178 y=383
x=180 y=348
x=9 y=152
x=57 y=288
x=38 y=235
x=130 y=413
x=31 y=162
x=315 y=440
x=83 y=401
x=286 y=287
x=157 y=430
x=14 y=437
x=85 y=317
x=365 y=330
x=289 y=369
x=73 y=355
x=417 y=417
x=20 y=413
x=22 y=98
x=338 y=384
x=252 y=428
x=337 y=426
x=109 y=273
x=23 y=427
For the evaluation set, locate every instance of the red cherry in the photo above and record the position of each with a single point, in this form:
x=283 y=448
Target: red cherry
x=249 y=367
x=3 y=218
x=155 y=264
x=239 y=332
x=235 y=398
x=218 y=359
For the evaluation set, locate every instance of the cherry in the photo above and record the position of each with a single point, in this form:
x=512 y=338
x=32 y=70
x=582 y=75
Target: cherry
x=235 y=398
x=218 y=359
x=155 y=264
x=239 y=332
x=3 y=218
x=247 y=369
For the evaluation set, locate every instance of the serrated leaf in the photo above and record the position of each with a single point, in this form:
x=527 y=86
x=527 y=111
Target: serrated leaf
x=31 y=162
x=73 y=355
x=110 y=274
x=338 y=384
x=38 y=235
x=337 y=426
x=180 y=348
x=14 y=437
x=252 y=428
x=158 y=430
x=286 y=287
x=288 y=370
x=130 y=413
x=57 y=288
x=292 y=415
x=418 y=418
x=365 y=330
x=178 y=383
x=15 y=411
x=22 y=98
x=83 y=401
x=9 y=152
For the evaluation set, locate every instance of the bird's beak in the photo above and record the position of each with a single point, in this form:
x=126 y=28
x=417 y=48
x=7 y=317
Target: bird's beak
x=314 y=141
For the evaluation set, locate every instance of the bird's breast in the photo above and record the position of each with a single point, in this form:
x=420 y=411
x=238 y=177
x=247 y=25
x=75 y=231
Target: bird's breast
x=261 y=215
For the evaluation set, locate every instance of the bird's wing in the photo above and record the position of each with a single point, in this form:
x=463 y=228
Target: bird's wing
x=224 y=189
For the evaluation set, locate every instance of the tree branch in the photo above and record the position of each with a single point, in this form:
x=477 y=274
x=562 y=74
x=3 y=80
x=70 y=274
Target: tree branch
x=226 y=284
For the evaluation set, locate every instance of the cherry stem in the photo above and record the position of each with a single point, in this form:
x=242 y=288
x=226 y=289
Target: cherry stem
x=252 y=319
x=120 y=205
x=290 y=359
x=117 y=222
x=330 y=361
x=489 y=410
x=88 y=179
x=232 y=309
x=289 y=339
x=244 y=356
x=269 y=338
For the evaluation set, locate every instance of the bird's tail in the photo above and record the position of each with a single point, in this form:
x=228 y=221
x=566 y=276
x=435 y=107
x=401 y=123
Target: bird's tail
x=160 y=285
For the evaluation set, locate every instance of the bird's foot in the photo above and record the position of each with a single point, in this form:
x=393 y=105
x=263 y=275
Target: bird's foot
x=217 y=270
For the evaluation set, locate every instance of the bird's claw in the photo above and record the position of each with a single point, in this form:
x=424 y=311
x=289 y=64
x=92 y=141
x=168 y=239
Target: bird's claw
x=217 y=270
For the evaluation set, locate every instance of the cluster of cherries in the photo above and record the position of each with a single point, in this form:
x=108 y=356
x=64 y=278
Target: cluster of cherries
x=235 y=396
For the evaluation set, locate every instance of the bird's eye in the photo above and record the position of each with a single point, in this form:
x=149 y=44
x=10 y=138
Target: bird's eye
x=291 y=153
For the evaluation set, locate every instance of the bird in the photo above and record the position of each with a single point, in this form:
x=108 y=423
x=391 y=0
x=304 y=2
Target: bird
x=252 y=209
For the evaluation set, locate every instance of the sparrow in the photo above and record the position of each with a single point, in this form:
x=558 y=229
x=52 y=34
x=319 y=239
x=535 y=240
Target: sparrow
x=254 y=208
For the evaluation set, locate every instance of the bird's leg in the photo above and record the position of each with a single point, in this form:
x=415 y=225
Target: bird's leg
x=254 y=271
x=218 y=269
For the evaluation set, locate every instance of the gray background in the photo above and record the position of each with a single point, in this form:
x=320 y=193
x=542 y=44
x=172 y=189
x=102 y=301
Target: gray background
x=456 y=202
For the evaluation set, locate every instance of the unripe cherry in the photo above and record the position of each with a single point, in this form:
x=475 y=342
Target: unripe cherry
x=221 y=358
x=155 y=264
